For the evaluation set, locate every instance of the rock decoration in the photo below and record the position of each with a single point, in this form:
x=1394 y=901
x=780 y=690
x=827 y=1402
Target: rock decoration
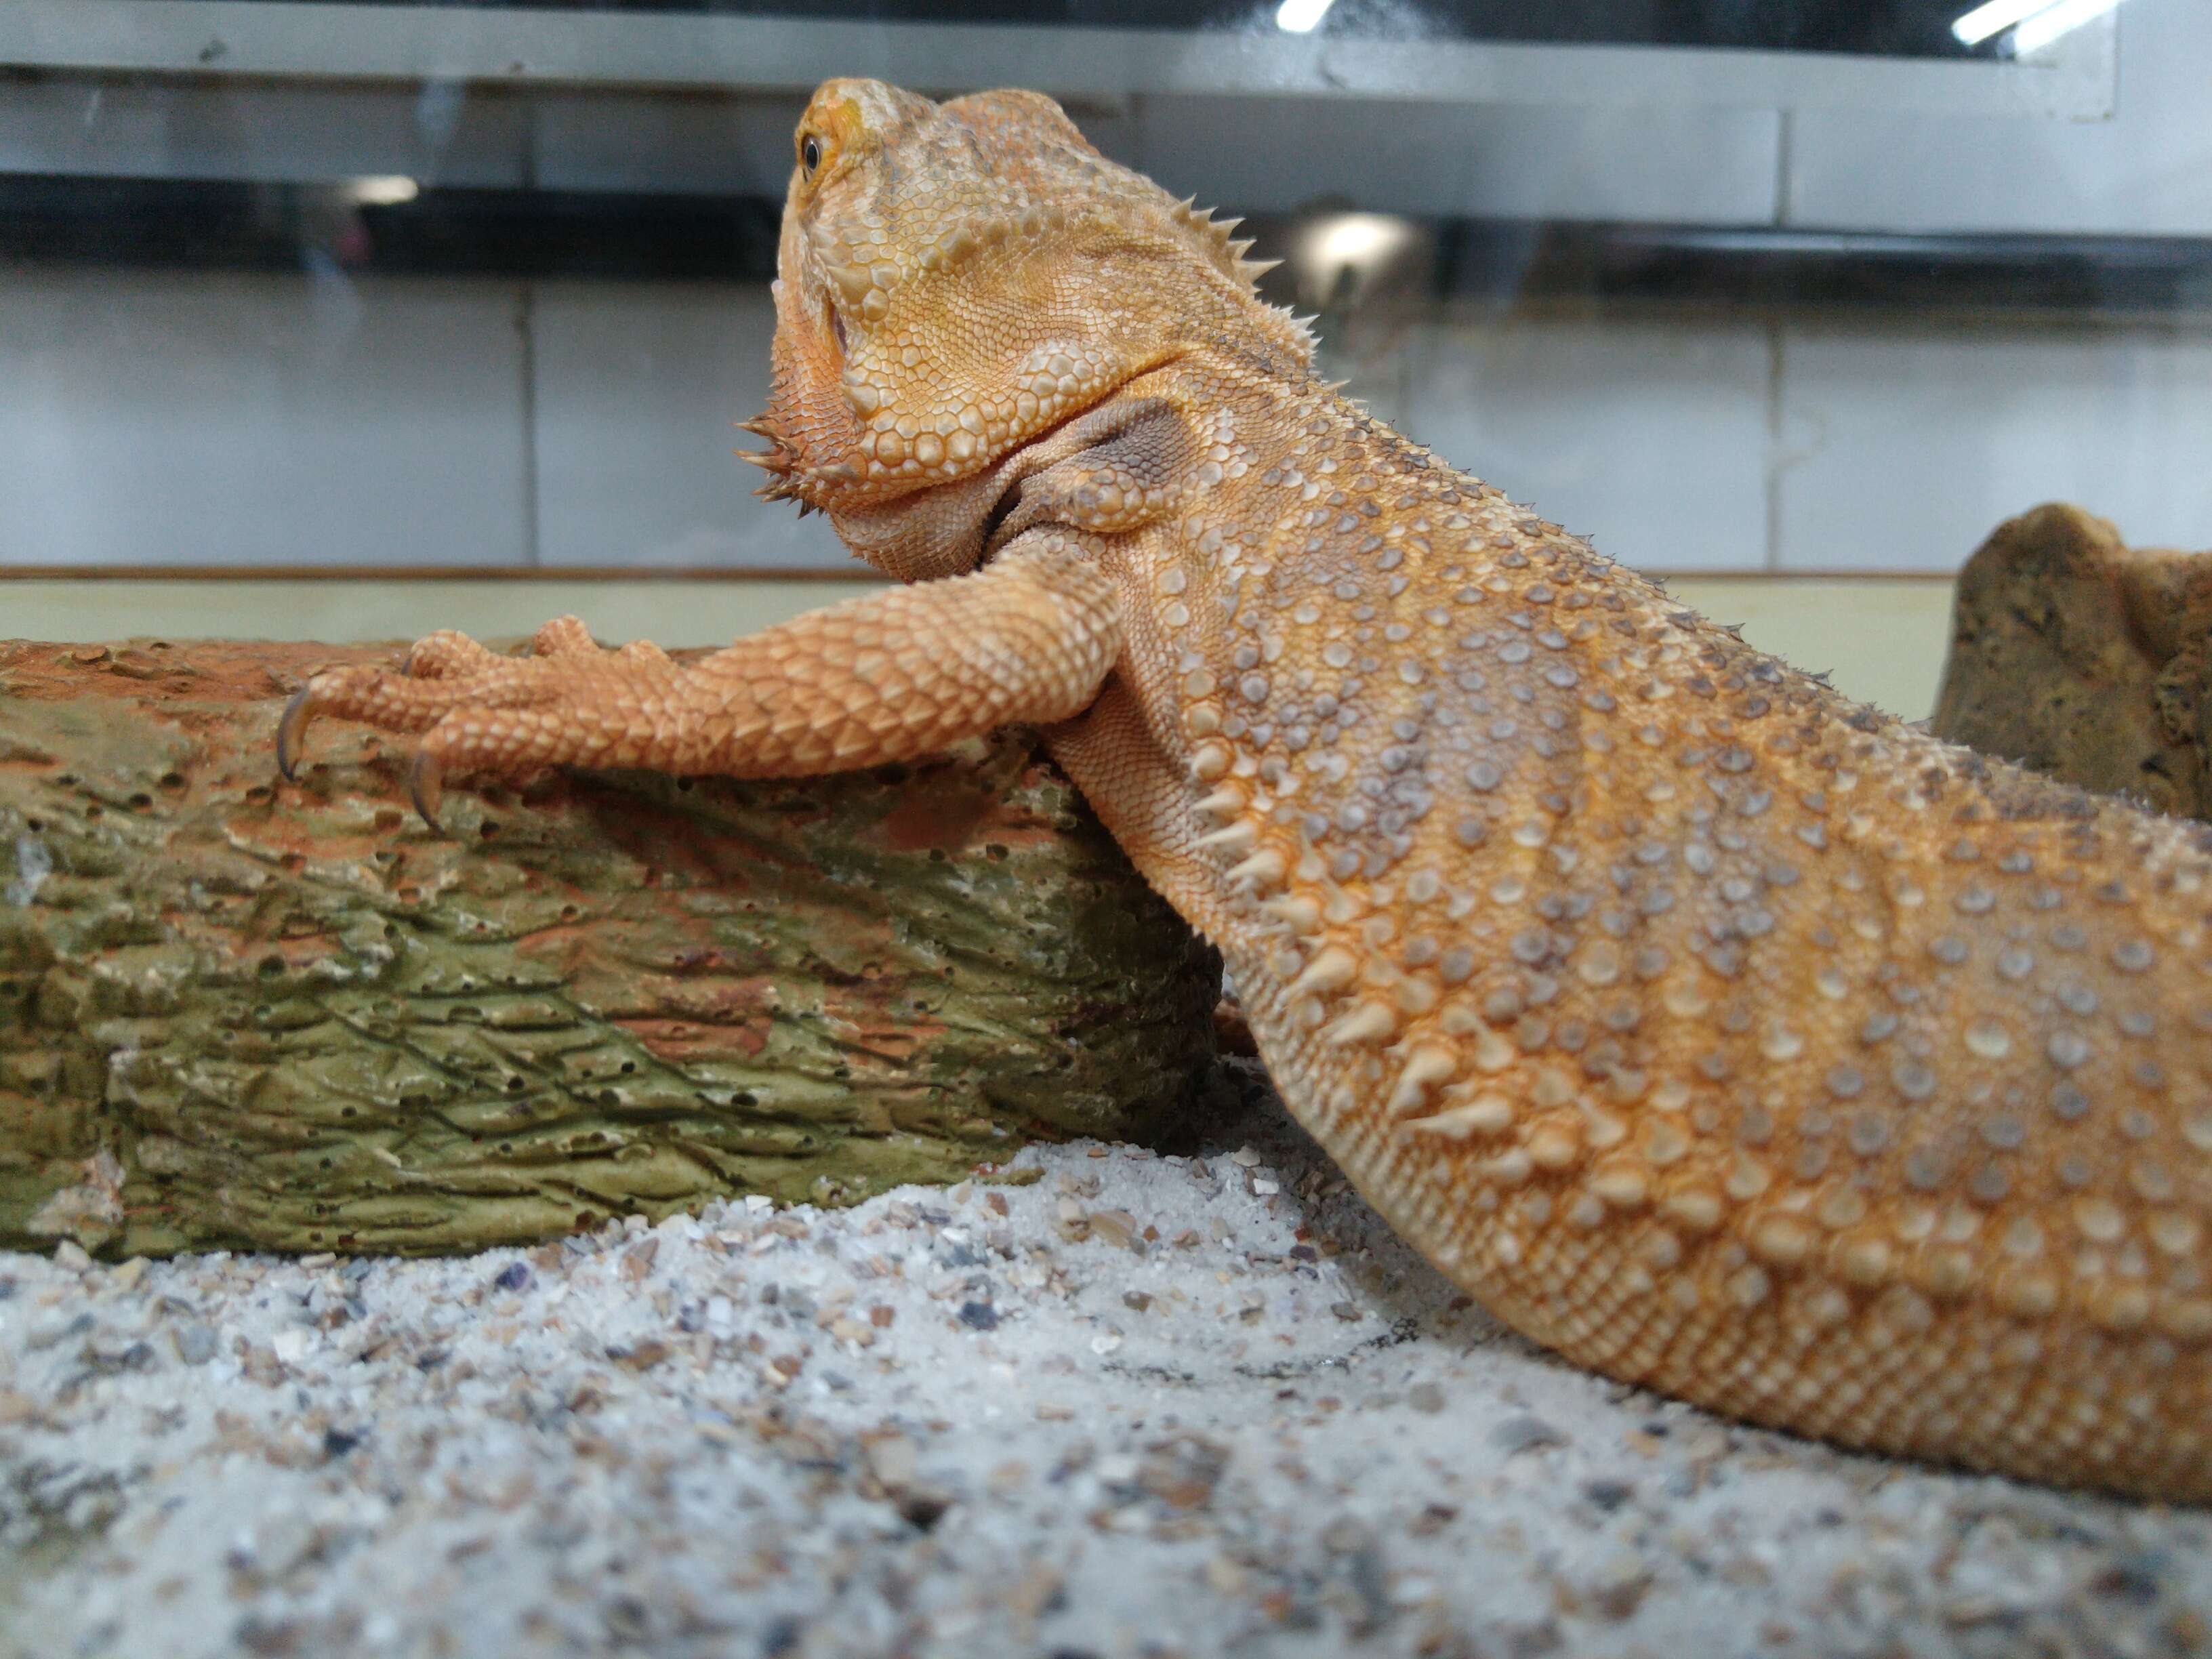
x=2085 y=659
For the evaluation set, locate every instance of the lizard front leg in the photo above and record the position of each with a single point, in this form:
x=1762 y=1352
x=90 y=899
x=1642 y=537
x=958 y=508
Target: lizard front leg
x=891 y=676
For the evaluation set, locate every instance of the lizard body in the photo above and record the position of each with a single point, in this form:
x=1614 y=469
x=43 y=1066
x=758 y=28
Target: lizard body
x=1728 y=1037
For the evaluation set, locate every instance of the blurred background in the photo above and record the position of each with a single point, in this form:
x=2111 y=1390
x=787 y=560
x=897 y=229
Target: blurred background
x=354 y=319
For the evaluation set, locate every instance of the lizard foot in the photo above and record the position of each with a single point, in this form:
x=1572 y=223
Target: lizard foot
x=481 y=711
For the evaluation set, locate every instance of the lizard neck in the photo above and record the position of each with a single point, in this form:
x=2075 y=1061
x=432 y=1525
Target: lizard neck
x=1375 y=671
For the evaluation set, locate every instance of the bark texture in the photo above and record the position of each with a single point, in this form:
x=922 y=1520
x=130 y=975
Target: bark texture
x=239 y=1013
x=2085 y=659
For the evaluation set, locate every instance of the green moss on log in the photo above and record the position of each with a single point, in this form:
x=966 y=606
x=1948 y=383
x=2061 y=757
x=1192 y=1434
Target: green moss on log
x=237 y=1013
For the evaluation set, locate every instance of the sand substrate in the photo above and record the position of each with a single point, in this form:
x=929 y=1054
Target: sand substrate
x=1122 y=1405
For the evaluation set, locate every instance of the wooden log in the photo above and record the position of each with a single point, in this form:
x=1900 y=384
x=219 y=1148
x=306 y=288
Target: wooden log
x=2085 y=659
x=239 y=1014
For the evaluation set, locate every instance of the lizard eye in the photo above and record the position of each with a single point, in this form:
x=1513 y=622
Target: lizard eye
x=810 y=154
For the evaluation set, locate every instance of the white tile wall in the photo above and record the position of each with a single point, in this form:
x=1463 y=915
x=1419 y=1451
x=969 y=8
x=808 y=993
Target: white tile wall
x=2147 y=171
x=636 y=388
x=191 y=419
x=1650 y=439
x=1642 y=166
x=1902 y=451
x=169 y=418
x=441 y=133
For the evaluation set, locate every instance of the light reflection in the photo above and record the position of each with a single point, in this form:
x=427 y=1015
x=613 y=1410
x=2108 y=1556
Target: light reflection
x=1994 y=18
x=1338 y=255
x=381 y=190
x=1360 y=239
x=2035 y=24
x=1301 y=16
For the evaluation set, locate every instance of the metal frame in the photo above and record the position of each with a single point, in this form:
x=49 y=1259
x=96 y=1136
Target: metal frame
x=2074 y=78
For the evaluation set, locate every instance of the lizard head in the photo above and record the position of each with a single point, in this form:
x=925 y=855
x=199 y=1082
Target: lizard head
x=955 y=281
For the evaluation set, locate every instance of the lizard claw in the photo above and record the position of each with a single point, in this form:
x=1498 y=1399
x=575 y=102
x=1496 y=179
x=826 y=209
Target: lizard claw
x=426 y=784
x=292 y=730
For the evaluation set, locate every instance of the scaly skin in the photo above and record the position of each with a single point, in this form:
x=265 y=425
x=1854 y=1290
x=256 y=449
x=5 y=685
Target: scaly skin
x=1728 y=1037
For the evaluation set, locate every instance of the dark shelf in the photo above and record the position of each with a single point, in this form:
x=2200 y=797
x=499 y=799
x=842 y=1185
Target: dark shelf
x=172 y=224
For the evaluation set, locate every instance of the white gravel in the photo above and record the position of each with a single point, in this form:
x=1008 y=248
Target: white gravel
x=1141 y=1405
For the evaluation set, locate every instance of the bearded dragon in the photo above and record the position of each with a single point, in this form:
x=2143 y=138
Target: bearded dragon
x=1728 y=1037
